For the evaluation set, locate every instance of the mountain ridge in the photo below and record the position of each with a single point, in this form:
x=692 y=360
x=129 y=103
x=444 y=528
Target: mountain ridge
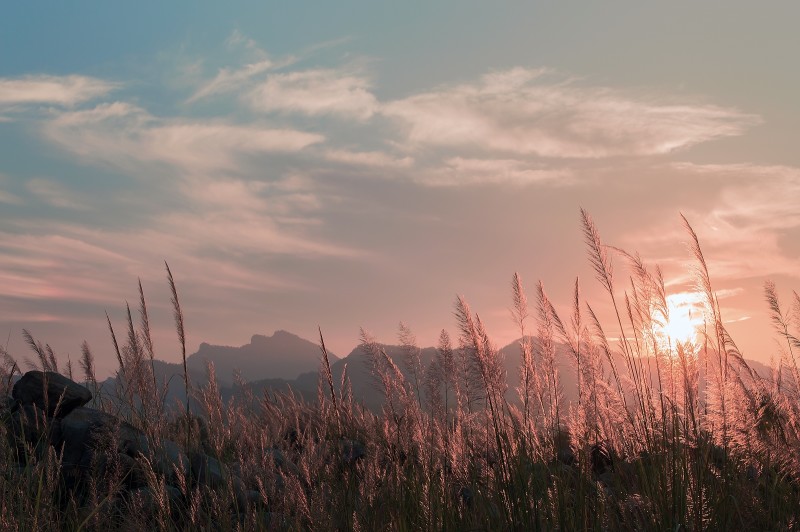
x=282 y=355
x=262 y=378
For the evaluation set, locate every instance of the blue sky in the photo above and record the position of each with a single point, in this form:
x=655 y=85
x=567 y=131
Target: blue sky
x=360 y=163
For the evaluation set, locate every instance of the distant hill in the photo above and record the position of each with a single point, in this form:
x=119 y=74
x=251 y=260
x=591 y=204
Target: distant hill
x=366 y=391
x=364 y=384
x=284 y=362
x=281 y=356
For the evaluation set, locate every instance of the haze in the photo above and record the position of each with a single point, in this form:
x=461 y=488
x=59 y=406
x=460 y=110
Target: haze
x=356 y=164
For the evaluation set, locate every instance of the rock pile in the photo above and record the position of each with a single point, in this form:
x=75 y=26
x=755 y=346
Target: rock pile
x=47 y=410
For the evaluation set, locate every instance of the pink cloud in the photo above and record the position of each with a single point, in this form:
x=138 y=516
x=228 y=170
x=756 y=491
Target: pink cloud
x=124 y=135
x=315 y=92
x=54 y=193
x=523 y=111
x=742 y=226
x=58 y=90
x=465 y=171
x=368 y=158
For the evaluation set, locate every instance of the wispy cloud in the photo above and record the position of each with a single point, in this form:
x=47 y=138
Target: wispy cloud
x=124 y=136
x=746 y=225
x=6 y=196
x=316 y=92
x=465 y=171
x=526 y=111
x=227 y=226
x=257 y=62
x=228 y=80
x=55 y=90
x=376 y=159
x=54 y=194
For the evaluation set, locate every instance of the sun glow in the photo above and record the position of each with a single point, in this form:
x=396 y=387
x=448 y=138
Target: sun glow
x=684 y=322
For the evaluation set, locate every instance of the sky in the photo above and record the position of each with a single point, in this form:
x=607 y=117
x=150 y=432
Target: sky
x=354 y=164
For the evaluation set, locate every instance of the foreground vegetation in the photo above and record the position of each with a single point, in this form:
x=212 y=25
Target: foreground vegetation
x=661 y=437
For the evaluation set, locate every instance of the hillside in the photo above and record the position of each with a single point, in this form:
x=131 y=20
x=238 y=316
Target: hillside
x=281 y=356
x=284 y=362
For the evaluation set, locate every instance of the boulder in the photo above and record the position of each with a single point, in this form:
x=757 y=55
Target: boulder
x=87 y=436
x=351 y=452
x=167 y=458
x=52 y=392
x=150 y=499
x=282 y=463
x=601 y=459
x=208 y=470
x=87 y=428
x=29 y=428
x=8 y=405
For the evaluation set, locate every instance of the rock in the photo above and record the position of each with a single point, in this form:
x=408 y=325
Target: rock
x=601 y=459
x=167 y=458
x=351 y=451
x=272 y=521
x=52 y=392
x=282 y=463
x=150 y=499
x=465 y=496
x=130 y=469
x=87 y=438
x=29 y=427
x=28 y=423
x=87 y=428
x=208 y=470
x=8 y=405
x=245 y=498
x=566 y=455
x=752 y=473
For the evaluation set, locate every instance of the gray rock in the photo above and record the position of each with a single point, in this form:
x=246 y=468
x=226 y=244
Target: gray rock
x=351 y=451
x=89 y=439
x=30 y=428
x=465 y=496
x=130 y=469
x=52 y=392
x=174 y=497
x=245 y=498
x=28 y=423
x=601 y=459
x=566 y=455
x=169 y=456
x=208 y=470
x=86 y=429
x=282 y=463
x=8 y=405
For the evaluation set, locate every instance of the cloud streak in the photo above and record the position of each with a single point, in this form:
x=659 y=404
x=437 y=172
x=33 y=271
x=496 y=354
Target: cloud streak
x=744 y=226
x=523 y=111
x=228 y=80
x=54 y=194
x=65 y=91
x=470 y=171
x=316 y=92
x=124 y=135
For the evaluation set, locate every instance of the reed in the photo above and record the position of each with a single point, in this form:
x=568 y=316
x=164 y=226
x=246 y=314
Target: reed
x=661 y=435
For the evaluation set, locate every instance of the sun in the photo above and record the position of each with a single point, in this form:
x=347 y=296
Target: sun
x=685 y=320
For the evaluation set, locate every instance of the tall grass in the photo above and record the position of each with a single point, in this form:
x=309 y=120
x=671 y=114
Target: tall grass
x=661 y=436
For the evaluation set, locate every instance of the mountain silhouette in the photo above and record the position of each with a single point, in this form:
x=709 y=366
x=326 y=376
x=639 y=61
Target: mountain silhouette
x=367 y=391
x=281 y=356
x=285 y=363
x=364 y=384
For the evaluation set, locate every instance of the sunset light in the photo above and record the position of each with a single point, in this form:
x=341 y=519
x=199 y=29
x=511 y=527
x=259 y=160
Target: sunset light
x=584 y=217
x=685 y=320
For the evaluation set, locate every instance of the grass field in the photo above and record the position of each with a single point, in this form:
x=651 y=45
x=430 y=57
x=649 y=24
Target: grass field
x=663 y=435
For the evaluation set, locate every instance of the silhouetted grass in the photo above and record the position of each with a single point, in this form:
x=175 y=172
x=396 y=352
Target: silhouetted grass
x=675 y=437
